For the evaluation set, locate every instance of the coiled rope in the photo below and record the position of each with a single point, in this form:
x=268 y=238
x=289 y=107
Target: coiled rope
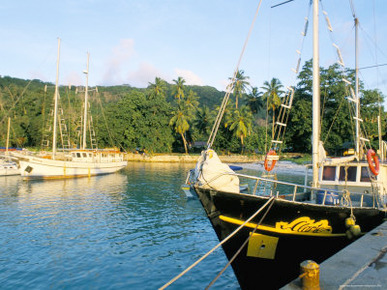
x=218 y=245
x=347 y=202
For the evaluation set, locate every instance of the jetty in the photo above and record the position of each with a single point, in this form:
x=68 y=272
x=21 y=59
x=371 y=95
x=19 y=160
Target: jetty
x=362 y=264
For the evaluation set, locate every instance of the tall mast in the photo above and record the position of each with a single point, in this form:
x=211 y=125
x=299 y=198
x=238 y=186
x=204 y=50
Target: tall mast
x=316 y=96
x=357 y=118
x=86 y=103
x=9 y=126
x=56 y=104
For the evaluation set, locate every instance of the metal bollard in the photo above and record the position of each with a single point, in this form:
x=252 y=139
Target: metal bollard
x=310 y=275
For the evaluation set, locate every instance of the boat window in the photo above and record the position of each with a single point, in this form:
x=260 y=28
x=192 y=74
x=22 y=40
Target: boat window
x=90 y=155
x=351 y=173
x=365 y=174
x=78 y=155
x=329 y=173
x=84 y=154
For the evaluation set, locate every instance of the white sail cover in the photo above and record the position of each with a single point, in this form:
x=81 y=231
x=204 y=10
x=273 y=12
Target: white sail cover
x=332 y=161
x=210 y=172
x=338 y=160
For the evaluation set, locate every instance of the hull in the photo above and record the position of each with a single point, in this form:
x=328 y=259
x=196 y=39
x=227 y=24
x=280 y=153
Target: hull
x=9 y=171
x=291 y=233
x=40 y=168
x=8 y=168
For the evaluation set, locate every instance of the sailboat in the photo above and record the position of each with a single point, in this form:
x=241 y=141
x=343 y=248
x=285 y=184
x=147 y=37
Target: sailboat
x=266 y=236
x=78 y=163
x=7 y=166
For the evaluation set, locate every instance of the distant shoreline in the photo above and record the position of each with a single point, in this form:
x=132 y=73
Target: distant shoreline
x=188 y=158
x=280 y=167
x=182 y=158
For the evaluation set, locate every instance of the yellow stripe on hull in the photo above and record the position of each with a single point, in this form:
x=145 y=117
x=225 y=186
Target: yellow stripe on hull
x=59 y=176
x=303 y=226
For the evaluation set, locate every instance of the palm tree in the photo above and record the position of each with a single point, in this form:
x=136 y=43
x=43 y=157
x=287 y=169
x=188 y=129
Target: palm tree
x=191 y=100
x=157 y=89
x=272 y=95
x=179 y=87
x=179 y=121
x=240 y=123
x=255 y=100
x=202 y=120
x=240 y=85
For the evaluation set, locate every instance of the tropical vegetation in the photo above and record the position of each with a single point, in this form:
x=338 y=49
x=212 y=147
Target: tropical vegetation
x=176 y=117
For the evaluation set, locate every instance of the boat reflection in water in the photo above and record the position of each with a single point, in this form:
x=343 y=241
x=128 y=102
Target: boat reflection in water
x=43 y=191
x=127 y=230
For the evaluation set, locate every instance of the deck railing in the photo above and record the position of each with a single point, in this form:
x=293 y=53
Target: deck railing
x=297 y=192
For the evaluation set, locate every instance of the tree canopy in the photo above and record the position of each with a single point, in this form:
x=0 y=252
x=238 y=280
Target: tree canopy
x=176 y=117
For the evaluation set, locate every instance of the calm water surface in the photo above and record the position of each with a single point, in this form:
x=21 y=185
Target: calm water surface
x=131 y=230
x=134 y=230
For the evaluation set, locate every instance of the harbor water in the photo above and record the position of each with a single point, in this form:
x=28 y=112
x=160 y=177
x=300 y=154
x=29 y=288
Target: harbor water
x=130 y=230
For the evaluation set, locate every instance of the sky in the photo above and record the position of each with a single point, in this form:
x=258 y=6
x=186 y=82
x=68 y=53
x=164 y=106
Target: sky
x=132 y=42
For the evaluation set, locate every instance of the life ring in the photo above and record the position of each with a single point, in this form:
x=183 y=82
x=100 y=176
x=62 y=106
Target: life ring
x=371 y=159
x=273 y=161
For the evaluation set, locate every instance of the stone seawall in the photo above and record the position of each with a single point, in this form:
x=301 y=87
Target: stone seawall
x=189 y=158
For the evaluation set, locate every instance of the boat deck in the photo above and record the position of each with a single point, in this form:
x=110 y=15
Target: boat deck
x=362 y=264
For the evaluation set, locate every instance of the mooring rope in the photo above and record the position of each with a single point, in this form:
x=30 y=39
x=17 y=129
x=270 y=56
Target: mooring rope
x=243 y=245
x=17 y=100
x=218 y=119
x=217 y=246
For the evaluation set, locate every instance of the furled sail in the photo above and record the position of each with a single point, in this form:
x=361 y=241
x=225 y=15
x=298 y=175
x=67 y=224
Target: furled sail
x=212 y=173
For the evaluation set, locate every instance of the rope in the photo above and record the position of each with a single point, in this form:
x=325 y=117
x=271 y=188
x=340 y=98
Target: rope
x=334 y=120
x=342 y=70
x=352 y=9
x=107 y=127
x=243 y=245
x=17 y=100
x=215 y=128
x=279 y=130
x=24 y=90
x=217 y=246
x=347 y=202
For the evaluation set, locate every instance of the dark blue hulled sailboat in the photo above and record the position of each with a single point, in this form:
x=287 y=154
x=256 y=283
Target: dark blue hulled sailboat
x=271 y=233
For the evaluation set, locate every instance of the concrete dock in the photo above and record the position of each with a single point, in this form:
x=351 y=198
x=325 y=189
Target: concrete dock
x=361 y=265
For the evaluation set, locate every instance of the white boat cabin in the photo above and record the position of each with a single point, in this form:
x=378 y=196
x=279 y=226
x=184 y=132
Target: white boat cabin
x=96 y=156
x=354 y=175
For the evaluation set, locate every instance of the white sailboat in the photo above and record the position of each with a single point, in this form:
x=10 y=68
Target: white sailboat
x=79 y=163
x=353 y=172
x=7 y=166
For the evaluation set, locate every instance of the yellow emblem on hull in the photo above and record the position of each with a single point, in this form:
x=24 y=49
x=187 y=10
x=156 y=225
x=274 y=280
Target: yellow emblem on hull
x=305 y=225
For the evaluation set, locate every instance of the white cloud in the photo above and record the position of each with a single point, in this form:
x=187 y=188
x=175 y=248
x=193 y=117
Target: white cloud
x=144 y=74
x=223 y=84
x=120 y=55
x=190 y=77
x=38 y=75
x=74 y=79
